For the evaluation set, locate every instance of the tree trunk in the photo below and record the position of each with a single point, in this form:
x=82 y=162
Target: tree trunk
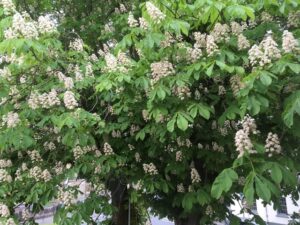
x=191 y=220
x=119 y=201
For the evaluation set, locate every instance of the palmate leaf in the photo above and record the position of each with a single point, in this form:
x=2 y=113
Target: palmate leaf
x=223 y=182
x=262 y=189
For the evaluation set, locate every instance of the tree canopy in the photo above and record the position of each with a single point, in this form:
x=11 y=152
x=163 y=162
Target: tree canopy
x=174 y=105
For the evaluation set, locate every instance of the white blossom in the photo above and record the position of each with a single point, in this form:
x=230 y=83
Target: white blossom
x=46 y=175
x=156 y=15
x=10 y=33
x=211 y=46
x=255 y=54
x=221 y=90
x=5 y=163
x=10 y=221
x=123 y=8
x=132 y=22
x=78 y=73
x=33 y=101
x=5 y=73
x=209 y=211
x=76 y=45
x=8 y=6
x=150 y=169
x=69 y=100
x=89 y=70
x=18 y=22
x=220 y=32
x=26 y=215
x=46 y=24
x=272 y=144
x=195 y=177
x=66 y=197
x=68 y=83
x=249 y=125
x=93 y=58
x=294 y=19
x=4 y=176
x=29 y=30
x=180 y=188
x=243 y=143
x=4 y=210
x=179 y=156
x=270 y=48
x=11 y=120
x=266 y=17
x=111 y=62
x=236 y=28
x=200 y=40
x=143 y=23
x=243 y=43
x=217 y=148
x=49 y=146
x=59 y=167
x=137 y=157
x=45 y=100
x=289 y=43
x=194 y=54
x=107 y=149
x=161 y=69
x=137 y=186
x=98 y=169
x=265 y=52
x=35 y=173
x=23 y=79
x=242 y=137
x=35 y=156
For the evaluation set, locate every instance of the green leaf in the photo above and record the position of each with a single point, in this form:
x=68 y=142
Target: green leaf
x=289 y=178
x=272 y=187
x=182 y=122
x=253 y=105
x=204 y=111
x=249 y=188
x=225 y=67
x=170 y=125
x=210 y=70
x=161 y=93
x=292 y=105
x=188 y=201
x=77 y=218
x=259 y=147
x=236 y=12
x=193 y=112
x=140 y=135
x=203 y=197
x=234 y=220
x=223 y=182
x=265 y=79
x=295 y=67
x=276 y=173
x=214 y=14
x=259 y=220
x=262 y=189
x=250 y=12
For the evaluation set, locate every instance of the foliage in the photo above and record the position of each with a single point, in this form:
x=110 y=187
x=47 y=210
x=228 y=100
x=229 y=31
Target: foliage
x=176 y=111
